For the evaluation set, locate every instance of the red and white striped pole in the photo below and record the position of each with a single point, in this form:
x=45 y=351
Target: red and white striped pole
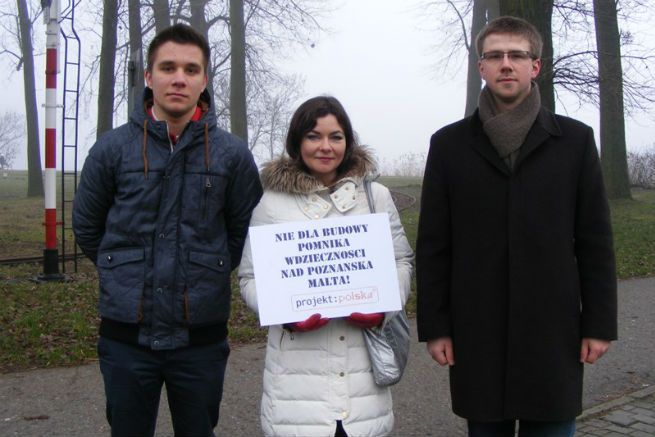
x=50 y=253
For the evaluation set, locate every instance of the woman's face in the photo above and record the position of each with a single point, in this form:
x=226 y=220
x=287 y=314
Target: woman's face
x=322 y=149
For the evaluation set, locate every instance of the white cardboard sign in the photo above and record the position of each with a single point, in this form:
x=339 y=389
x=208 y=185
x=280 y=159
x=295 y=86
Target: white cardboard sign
x=333 y=266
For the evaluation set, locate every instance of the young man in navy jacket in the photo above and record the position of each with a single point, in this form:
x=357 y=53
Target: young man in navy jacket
x=162 y=209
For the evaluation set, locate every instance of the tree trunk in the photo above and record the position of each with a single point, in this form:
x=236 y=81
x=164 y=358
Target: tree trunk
x=473 y=81
x=540 y=14
x=135 y=83
x=238 y=109
x=612 y=121
x=493 y=9
x=162 y=14
x=199 y=22
x=107 y=59
x=34 y=171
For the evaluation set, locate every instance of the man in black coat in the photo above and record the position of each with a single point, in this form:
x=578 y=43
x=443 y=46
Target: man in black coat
x=515 y=264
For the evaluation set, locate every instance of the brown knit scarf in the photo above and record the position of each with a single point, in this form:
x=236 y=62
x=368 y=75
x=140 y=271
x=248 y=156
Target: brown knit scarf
x=507 y=130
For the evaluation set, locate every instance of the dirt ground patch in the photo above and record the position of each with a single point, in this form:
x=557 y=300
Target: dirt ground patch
x=402 y=200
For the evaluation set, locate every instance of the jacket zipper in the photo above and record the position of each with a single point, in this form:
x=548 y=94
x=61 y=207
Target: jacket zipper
x=205 y=201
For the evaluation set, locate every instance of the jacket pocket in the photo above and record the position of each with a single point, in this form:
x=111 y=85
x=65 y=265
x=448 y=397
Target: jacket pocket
x=121 y=274
x=203 y=202
x=207 y=291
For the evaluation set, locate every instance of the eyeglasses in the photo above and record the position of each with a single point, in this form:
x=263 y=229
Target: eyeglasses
x=514 y=56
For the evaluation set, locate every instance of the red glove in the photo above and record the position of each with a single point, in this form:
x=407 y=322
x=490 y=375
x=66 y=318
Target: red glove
x=314 y=321
x=365 y=321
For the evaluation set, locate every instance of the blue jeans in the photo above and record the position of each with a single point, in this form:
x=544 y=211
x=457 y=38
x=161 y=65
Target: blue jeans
x=134 y=376
x=527 y=428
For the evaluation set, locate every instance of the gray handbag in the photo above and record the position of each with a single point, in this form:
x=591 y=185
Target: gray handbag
x=388 y=346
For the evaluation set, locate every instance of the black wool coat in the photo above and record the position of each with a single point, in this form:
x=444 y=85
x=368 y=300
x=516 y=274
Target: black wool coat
x=517 y=266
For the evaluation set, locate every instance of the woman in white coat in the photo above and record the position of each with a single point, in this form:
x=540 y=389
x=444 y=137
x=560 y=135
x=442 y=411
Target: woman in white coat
x=317 y=375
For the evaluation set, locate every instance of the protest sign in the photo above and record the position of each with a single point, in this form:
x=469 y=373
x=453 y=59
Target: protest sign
x=333 y=266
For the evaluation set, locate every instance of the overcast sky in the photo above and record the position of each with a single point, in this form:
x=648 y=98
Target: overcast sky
x=380 y=60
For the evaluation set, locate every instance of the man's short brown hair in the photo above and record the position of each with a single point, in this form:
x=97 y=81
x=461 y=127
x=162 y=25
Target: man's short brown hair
x=179 y=34
x=514 y=26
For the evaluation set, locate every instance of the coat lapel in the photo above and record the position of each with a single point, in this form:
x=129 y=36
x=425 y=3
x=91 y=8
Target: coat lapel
x=481 y=144
x=544 y=127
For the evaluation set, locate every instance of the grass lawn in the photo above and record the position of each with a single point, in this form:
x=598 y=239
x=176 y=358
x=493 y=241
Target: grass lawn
x=633 y=223
x=55 y=324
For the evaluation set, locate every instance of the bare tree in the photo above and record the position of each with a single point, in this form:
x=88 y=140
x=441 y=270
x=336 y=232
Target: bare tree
x=618 y=81
x=481 y=11
x=126 y=69
x=12 y=133
x=473 y=80
x=162 y=14
x=269 y=27
x=493 y=9
x=575 y=69
x=612 y=122
x=269 y=113
x=106 y=79
x=641 y=167
x=540 y=15
x=135 y=82
x=199 y=21
x=238 y=109
x=19 y=23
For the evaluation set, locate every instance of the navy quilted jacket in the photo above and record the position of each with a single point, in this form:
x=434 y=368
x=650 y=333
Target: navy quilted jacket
x=165 y=227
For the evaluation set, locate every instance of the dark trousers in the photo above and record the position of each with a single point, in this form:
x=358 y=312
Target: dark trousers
x=527 y=428
x=134 y=376
x=340 y=432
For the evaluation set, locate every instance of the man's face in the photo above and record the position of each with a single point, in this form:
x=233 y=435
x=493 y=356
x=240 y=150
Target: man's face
x=177 y=79
x=507 y=79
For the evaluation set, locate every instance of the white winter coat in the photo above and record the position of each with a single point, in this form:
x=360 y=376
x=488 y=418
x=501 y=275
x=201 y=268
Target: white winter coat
x=313 y=379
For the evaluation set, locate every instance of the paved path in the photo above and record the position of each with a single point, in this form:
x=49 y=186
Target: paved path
x=631 y=415
x=619 y=394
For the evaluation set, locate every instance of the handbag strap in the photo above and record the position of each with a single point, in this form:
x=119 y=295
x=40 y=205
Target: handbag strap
x=369 y=195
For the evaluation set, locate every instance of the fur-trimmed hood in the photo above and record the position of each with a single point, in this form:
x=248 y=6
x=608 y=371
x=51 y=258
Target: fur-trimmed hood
x=287 y=176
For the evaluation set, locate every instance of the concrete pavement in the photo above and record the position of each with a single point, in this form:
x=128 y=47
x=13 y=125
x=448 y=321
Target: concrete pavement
x=630 y=415
x=619 y=394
